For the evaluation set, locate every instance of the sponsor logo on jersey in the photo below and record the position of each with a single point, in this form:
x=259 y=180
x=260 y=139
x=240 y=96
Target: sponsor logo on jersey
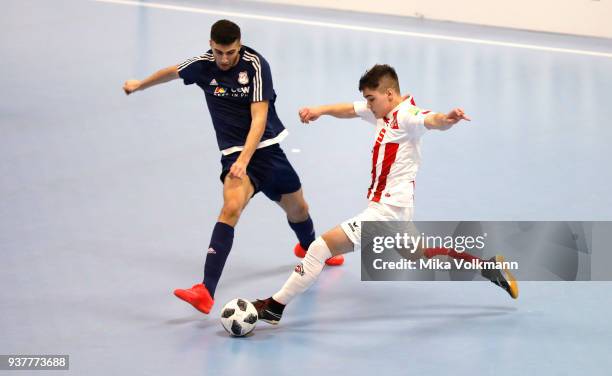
x=243 y=78
x=211 y=251
x=353 y=226
x=241 y=90
x=213 y=82
x=414 y=110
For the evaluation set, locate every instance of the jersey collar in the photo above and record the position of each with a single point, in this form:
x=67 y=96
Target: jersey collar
x=392 y=114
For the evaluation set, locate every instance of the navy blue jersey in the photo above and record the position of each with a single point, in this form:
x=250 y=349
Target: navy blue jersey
x=229 y=95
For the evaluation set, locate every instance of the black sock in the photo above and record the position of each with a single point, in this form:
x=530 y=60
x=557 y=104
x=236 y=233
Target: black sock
x=305 y=232
x=220 y=246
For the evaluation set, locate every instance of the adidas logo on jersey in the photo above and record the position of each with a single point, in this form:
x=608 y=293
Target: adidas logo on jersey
x=211 y=251
x=213 y=82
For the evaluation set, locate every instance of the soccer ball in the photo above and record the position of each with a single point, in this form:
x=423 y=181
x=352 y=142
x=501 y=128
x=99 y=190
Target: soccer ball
x=239 y=317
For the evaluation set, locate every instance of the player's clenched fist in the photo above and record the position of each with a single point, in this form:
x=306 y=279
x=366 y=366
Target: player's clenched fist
x=131 y=86
x=308 y=114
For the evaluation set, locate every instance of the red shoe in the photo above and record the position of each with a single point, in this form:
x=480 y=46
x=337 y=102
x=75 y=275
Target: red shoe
x=299 y=251
x=335 y=261
x=198 y=296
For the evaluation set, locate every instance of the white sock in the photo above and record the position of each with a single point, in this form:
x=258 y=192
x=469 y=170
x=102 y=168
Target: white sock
x=305 y=273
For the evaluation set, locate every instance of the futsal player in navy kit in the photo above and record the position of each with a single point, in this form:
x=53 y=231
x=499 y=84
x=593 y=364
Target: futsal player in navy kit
x=239 y=93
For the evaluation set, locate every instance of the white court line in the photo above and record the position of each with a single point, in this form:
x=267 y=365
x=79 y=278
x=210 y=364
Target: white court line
x=356 y=28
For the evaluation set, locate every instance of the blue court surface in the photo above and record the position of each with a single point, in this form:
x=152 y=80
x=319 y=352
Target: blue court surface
x=108 y=201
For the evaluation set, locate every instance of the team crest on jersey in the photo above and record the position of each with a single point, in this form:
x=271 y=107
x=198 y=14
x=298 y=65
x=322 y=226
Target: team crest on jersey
x=243 y=78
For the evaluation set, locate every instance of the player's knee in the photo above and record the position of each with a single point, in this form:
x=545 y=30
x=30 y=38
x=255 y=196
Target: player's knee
x=231 y=209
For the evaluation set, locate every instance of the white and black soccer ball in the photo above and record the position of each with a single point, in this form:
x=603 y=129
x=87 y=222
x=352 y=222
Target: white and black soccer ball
x=239 y=317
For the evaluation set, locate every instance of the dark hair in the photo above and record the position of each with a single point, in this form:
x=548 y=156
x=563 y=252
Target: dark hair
x=224 y=32
x=373 y=77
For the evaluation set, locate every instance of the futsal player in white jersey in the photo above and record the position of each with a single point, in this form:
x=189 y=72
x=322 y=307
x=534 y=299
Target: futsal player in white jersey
x=400 y=124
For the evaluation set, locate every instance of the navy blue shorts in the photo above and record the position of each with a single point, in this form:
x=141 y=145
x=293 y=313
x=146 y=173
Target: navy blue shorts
x=269 y=171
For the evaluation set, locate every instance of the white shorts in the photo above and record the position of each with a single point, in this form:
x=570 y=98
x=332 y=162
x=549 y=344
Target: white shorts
x=374 y=212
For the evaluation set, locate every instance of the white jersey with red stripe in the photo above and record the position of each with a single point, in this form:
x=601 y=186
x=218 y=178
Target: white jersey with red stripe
x=396 y=154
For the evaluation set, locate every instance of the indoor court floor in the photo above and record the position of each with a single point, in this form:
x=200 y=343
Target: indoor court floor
x=108 y=201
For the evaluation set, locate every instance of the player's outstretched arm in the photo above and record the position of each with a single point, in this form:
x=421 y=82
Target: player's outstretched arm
x=339 y=110
x=445 y=121
x=163 y=75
